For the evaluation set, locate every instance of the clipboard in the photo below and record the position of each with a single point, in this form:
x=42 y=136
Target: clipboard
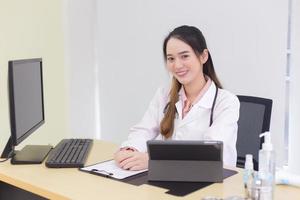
x=110 y=169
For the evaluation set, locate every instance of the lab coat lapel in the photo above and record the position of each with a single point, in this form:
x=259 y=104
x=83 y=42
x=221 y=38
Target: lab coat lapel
x=179 y=109
x=196 y=111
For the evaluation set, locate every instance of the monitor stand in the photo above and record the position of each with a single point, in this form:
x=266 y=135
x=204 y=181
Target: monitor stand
x=30 y=154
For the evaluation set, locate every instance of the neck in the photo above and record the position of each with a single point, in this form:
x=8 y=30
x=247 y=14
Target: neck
x=193 y=89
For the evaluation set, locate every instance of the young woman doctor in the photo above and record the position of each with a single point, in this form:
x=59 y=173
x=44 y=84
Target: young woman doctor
x=195 y=107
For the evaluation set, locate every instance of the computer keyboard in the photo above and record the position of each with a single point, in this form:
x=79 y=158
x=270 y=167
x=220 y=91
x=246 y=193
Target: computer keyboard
x=69 y=153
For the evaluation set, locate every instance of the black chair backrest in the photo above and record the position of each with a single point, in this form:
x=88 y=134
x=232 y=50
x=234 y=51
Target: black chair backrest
x=255 y=117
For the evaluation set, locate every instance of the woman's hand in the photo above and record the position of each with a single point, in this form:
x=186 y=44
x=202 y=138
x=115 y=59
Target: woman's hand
x=121 y=155
x=131 y=160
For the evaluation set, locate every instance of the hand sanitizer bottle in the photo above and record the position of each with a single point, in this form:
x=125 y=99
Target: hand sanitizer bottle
x=248 y=175
x=267 y=168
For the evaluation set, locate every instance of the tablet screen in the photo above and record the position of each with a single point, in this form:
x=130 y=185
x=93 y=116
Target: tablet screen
x=185 y=150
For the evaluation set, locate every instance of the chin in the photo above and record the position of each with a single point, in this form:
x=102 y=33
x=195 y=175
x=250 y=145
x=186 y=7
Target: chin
x=183 y=81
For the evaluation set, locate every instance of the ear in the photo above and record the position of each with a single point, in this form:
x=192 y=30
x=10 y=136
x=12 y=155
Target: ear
x=204 y=56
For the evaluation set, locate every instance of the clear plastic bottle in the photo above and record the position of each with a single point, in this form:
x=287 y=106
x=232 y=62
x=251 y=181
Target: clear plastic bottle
x=266 y=170
x=248 y=175
x=255 y=188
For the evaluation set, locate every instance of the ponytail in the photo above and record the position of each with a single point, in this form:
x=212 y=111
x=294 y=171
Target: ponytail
x=167 y=123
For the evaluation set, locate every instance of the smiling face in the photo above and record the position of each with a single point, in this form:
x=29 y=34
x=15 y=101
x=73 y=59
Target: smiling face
x=183 y=62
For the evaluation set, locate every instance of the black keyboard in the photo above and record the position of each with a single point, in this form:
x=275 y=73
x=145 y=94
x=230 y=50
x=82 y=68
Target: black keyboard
x=69 y=153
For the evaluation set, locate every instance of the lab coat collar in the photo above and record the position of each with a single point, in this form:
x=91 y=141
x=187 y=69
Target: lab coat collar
x=208 y=98
x=205 y=102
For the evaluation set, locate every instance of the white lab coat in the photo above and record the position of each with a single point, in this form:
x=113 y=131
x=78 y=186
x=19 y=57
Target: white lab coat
x=195 y=125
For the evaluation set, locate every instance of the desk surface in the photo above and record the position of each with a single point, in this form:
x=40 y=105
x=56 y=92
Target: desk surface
x=73 y=184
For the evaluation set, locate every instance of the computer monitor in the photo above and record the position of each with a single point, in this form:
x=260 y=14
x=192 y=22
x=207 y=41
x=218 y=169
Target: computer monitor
x=26 y=106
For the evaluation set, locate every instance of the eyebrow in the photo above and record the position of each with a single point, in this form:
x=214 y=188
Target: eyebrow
x=180 y=53
x=183 y=52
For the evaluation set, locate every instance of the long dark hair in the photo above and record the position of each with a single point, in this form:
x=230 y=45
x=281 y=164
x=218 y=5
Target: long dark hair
x=195 y=39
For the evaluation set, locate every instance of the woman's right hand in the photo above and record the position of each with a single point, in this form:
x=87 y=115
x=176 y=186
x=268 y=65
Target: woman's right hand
x=131 y=159
x=122 y=155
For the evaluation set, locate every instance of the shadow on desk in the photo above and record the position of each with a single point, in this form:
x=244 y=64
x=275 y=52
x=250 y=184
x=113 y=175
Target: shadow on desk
x=174 y=188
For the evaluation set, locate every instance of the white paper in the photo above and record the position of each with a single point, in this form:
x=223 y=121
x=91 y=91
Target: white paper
x=109 y=168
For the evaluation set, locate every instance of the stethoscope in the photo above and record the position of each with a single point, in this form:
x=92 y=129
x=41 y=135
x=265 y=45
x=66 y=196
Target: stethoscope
x=212 y=107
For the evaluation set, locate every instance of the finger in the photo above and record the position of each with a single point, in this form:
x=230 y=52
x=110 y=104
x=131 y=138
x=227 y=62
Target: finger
x=119 y=161
x=130 y=165
x=123 y=155
x=136 y=168
x=131 y=159
x=117 y=156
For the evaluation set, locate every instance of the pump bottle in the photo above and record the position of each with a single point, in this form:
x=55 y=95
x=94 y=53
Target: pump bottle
x=266 y=166
x=248 y=175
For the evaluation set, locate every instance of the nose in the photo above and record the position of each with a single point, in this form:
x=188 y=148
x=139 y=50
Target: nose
x=177 y=64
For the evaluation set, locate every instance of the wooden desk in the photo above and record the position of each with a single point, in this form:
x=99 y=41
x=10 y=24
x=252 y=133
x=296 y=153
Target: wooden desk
x=72 y=184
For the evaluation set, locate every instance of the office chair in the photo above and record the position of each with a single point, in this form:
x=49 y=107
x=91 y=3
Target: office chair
x=255 y=117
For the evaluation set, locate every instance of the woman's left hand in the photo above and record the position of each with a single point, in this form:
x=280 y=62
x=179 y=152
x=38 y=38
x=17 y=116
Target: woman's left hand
x=136 y=161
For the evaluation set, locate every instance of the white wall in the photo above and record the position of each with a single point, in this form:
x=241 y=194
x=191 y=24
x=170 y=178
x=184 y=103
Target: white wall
x=30 y=29
x=79 y=23
x=247 y=40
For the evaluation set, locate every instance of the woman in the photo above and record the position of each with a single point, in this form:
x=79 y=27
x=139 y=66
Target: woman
x=194 y=108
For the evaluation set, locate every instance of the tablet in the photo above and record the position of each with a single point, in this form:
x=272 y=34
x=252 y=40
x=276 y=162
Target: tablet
x=185 y=160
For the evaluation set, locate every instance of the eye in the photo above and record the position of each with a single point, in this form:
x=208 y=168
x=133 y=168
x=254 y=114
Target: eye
x=170 y=59
x=185 y=56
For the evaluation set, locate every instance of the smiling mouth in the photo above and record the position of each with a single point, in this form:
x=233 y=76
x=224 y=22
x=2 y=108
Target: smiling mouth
x=181 y=73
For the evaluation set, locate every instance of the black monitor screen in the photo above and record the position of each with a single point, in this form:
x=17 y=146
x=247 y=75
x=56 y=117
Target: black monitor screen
x=25 y=97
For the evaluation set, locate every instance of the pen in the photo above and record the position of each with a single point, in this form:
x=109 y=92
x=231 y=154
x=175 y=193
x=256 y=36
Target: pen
x=103 y=171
